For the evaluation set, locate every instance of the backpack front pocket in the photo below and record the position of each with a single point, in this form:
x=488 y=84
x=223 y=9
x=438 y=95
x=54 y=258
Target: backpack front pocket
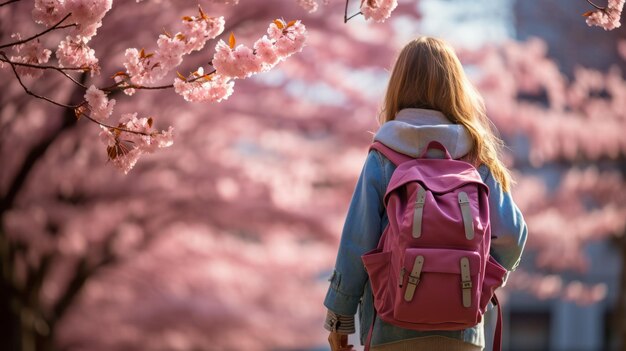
x=438 y=286
x=376 y=264
x=494 y=277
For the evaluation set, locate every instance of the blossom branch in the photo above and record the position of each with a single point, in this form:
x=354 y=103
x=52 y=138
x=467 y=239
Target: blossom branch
x=345 y=14
x=54 y=27
x=606 y=17
x=8 y=2
x=596 y=6
x=121 y=129
x=28 y=91
x=58 y=69
x=118 y=86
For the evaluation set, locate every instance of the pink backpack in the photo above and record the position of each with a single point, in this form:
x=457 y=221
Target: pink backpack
x=432 y=269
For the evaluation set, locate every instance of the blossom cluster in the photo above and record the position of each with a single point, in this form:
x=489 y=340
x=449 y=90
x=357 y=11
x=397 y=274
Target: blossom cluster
x=131 y=138
x=99 y=105
x=31 y=52
x=608 y=17
x=237 y=62
x=309 y=5
x=378 y=10
x=124 y=148
x=87 y=14
x=74 y=52
x=146 y=68
x=204 y=87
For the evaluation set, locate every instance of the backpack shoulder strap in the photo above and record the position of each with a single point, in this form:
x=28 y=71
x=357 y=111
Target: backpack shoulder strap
x=395 y=157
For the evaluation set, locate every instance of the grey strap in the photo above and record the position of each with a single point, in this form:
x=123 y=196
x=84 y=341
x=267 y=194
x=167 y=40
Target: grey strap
x=466 y=212
x=466 y=282
x=414 y=278
x=419 y=211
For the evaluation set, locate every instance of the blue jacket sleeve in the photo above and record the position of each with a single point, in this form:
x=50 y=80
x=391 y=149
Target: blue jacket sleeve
x=361 y=232
x=508 y=228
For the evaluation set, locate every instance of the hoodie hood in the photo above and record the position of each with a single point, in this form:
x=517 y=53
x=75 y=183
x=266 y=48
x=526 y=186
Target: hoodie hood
x=414 y=128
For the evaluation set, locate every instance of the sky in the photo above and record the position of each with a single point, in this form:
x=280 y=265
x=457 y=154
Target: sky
x=468 y=23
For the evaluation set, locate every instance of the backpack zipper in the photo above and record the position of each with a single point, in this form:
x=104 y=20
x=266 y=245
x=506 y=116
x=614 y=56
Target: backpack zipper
x=401 y=280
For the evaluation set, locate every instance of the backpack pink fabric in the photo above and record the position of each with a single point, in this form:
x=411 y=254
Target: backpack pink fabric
x=432 y=269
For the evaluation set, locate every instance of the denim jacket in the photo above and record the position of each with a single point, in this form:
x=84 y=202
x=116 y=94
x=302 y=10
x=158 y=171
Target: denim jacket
x=366 y=219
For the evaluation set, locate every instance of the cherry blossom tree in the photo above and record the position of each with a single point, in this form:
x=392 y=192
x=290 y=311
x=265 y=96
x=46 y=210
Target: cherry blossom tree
x=573 y=124
x=75 y=232
x=134 y=136
x=224 y=239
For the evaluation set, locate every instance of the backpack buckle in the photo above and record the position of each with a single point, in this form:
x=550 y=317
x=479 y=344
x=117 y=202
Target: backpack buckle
x=414 y=280
x=466 y=282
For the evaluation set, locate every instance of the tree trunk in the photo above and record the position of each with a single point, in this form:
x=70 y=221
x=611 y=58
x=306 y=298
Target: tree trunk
x=20 y=329
x=10 y=331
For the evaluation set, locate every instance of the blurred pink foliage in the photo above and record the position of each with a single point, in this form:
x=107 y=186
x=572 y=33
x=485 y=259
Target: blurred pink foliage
x=579 y=122
x=226 y=238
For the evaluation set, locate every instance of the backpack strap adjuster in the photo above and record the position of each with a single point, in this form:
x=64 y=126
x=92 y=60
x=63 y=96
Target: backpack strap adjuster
x=420 y=199
x=414 y=278
x=466 y=212
x=466 y=282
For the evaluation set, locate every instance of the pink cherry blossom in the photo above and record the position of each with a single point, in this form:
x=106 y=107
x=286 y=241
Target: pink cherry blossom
x=48 y=12
x=292 y=40
x=141 y=67
x=74 y=52
x=170 y=52
x=99 y=105
x=214 y=88
x=145 y=68
x=242 y=62
x=309 y=5
x=31 y=52
x=87 y=14
x=197 y=31
x=266 y=52
x=609 y=17
x=274 y=32
x=164 y=138
x=124 y=148
x=378 y=10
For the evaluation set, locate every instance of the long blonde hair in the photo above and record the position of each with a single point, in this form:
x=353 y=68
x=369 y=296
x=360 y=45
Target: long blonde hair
x=428 y=74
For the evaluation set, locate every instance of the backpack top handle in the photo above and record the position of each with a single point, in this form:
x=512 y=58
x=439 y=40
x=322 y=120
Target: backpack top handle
x=435 y=145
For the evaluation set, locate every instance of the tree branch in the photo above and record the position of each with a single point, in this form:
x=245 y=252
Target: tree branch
x=44 y=66
x=35 y=279
x=54 y=27
x=83 y=272
x=30 y=92
x=122 y=129
x=345 y=14
x=351 y=17
x=8 y=2
x=58 y=69
x=117 y=86
x=596 y=6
